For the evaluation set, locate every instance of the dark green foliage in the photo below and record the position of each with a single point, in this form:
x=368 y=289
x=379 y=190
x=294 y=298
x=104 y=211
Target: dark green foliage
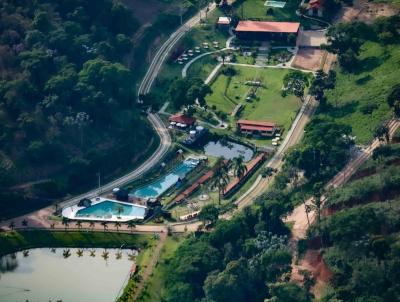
x=235 y=260
x=324 y=149
x=66 y=99
x=183 y=92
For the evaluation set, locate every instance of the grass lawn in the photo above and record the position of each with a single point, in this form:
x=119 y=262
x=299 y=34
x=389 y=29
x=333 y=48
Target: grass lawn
x=19 y=240
x=269 y=105
x=255 y=9
x=203 y=67
x=153 y=288
x=367 y=87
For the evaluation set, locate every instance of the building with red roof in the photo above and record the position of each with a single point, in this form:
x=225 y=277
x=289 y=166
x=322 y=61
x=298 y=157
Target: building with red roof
x=264 y=30
x=258 y=128
x=314 y=7
x=182 y=119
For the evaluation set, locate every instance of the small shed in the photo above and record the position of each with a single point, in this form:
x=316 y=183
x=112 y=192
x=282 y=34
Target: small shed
x=224 y=22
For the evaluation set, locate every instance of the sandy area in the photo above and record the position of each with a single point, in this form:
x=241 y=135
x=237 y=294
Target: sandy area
x=308 y=58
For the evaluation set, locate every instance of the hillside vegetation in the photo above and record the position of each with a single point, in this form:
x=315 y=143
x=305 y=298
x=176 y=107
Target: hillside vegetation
x=360 y=239
x=66 y=99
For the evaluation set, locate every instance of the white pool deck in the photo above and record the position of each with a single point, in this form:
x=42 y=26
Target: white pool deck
x=70 y=212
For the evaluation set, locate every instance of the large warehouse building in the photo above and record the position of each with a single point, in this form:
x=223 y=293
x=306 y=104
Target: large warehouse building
x=264 y=30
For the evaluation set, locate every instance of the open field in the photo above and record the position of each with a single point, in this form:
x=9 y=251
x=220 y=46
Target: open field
x=255 y=9
x=19 y=240
x=268 y=105
x=368 y=87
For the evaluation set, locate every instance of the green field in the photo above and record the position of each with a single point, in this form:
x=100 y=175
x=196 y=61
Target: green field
x=354 y=92
x=268 y=105
x=255 y=9
x=14 y=241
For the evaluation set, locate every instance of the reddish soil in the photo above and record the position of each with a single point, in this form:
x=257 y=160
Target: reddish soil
x=366 y=11
x=308 y=58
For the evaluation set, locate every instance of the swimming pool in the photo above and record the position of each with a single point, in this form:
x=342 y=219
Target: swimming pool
x=279 y=4
x=162 y=184
x=109 y=208
x=105 y=209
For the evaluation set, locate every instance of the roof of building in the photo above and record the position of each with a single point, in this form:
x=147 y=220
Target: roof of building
x=183 y=119
x=250 y=166
x=265 y=26
x=256 y=123
x=315 y=4
x=256 y=128
x=224 y=21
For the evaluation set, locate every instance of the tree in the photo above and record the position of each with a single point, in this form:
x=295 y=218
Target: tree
x=348 y=60
x=131 y=225
x=117 y=225
x=24 y=223
x=105 y=225
x=120 y=209
x=65 y=223
x=208 y=214
x=92 y=225
x=295 y=83
x=239 y=167
x=393 y=99
x=382 y=133
x=220 y=178
x=12 y=225
x=79 y=224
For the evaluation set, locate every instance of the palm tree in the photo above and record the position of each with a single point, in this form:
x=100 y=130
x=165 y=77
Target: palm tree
x=118 y=255
x=52 y=226
x=105 y=255
x=79 y=224
x=79 y=253
x=92 y=253
x=239 y=167
x=66 y=253
x=25 y=253
x=220 y=179
x=92 y=224
x=105 y=225
x=120 y=209
x=131 y=225
x=24 y=223
x=117 y=225
x=12 y=225
x=65 y=223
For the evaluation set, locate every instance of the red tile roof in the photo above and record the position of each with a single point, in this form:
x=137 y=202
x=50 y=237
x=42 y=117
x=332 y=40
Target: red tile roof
x=250 y=167
x=183 y=119
x=194 y=186
x=256 y=123
x=256 y=128
x=268 y=27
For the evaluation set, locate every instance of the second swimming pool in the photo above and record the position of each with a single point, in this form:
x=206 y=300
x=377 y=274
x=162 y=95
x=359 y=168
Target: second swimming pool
x=162 y=184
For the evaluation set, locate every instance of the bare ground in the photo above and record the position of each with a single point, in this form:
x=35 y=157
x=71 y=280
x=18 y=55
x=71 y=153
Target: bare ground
x=308 y=58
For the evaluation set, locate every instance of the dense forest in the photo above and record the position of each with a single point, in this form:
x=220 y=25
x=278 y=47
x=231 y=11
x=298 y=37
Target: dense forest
x=66 y=97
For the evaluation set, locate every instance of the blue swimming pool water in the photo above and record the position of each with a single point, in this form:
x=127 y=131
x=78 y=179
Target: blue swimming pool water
x=107 y=207
x=158 y=187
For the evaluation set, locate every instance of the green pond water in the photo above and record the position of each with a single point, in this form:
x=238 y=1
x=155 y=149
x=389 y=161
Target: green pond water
x=46 y=275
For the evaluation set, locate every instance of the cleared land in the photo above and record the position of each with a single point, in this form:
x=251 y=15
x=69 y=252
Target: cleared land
x=359 y=99
x=308 y=58
x=269 y=105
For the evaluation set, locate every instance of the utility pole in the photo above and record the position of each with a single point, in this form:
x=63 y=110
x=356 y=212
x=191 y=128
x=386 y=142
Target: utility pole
x=99 y=179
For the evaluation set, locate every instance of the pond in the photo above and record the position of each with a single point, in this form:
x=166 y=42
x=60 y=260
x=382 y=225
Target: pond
x=64 y=274
x=228 y=150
